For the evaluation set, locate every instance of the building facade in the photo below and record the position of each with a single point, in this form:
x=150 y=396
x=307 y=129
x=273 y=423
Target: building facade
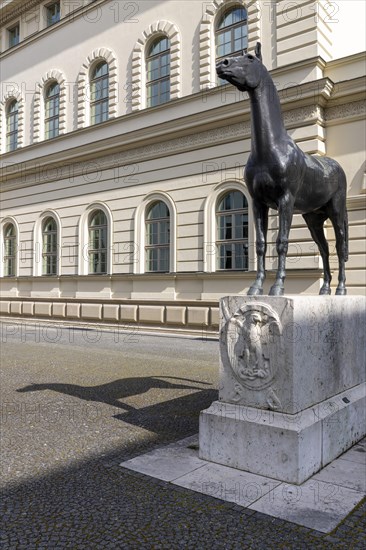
x=122 y=195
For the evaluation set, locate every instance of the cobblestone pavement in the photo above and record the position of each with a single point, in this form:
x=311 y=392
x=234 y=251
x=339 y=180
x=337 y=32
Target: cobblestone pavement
x=75 y=404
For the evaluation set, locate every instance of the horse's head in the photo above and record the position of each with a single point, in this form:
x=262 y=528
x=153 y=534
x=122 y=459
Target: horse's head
x=245 y=71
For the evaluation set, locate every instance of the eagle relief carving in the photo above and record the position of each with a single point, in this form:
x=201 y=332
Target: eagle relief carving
x=250 y=346
x=253 y=345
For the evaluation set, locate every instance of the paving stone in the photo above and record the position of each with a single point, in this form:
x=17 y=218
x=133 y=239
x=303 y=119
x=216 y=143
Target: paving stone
x=321 y=506
x=167 y=463
x=356 y=454
x=62 y=445
x=341 y=472
x=227 y=483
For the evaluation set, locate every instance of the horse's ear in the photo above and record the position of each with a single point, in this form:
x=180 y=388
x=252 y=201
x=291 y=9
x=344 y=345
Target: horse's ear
x=258 y=49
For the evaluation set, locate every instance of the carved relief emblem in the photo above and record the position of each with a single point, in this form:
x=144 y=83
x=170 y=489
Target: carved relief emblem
x=253 y=344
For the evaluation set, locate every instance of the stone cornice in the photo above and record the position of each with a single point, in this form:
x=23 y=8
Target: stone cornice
x=30 y=173
x=345 y=61
x=348 y=90
x=306 y=63
x=218 y=123
x=314 y=92
x=208 y=109
x=201 y=275
x=357 y=202
x=9 y=12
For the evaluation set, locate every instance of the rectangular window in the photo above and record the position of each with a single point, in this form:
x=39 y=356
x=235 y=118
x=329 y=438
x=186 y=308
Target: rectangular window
x=98 y=262
x=98 y=250
x=9 y=257
x=232 y=232
x=52 y=118
x=233 y=256
x=12 y=131
x=157 y=249
x=49 y=264
x=13 y=34
x=157 y=259
x=99 y=112
x=10 y=267
x=158 y=93
x=50 y=253
x=52 y=13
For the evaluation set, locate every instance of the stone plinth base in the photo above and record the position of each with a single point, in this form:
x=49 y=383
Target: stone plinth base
x=287 y=447
x=292 y=384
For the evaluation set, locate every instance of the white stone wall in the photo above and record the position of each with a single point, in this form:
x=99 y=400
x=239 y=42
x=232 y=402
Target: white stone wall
x=188 y=150
x=118 y=32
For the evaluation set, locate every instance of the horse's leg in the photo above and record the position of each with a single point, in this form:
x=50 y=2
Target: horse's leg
x=260 y=212
x=315 y=221
x=285 y=212
x=338 y=216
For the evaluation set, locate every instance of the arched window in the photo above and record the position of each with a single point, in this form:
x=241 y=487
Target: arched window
x=157 y=241
x=9 y=250
x=49 y=247
x=12 y=126
x=52 y=110
x=99 y=93
x=231 y=34
x=105 y=92
x=232 y=232
x=98 y=239
x=158 y=72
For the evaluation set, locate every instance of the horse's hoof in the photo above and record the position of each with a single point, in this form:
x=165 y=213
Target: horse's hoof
x=325 y=290
x=255 y=291
x=342 y=291
x=277 y=290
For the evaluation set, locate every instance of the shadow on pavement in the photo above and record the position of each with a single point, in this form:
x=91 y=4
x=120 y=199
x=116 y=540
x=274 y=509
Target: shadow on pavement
x=112 y=392
x=179 y=414
x=94 y=503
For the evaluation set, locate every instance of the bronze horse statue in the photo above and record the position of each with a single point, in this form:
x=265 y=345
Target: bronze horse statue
x=281 y=176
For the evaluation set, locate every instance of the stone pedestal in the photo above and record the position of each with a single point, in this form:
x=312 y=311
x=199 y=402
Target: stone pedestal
x=292 y=384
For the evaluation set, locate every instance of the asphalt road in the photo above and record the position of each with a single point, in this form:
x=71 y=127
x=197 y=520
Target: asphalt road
x=75 y=393
x=75 y=403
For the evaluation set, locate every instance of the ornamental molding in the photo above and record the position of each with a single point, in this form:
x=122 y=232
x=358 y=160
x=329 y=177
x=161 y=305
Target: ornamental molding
x=347 y=110
x=39 y=98
x=83 y=84
x=207 y=35
x=3 y=106
x=18 y=11
x=216 y=136
x=125 y=163
x=303 y=115
x=138 y=72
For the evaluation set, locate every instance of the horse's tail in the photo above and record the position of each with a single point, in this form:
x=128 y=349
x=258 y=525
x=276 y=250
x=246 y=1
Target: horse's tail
x=346 y=236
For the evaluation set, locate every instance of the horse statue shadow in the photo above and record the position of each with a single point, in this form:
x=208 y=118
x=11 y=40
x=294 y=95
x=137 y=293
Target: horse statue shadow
x=280 y=175
x=111 y=392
